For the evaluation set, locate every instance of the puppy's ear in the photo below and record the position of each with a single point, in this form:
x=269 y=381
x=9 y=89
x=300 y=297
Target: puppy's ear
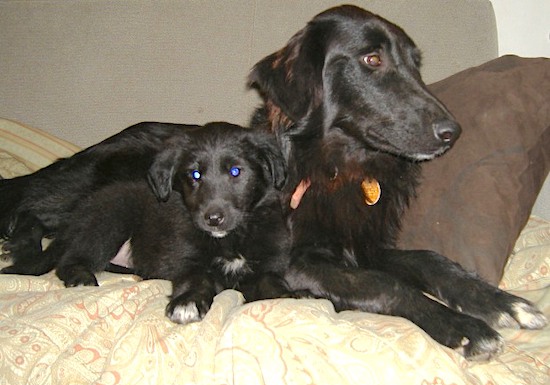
x=290 y=80
x=269 y=154
x=164 y=166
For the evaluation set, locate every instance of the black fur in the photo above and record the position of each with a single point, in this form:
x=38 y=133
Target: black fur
x=207 y=235
x=33 y=206
x=347 y=103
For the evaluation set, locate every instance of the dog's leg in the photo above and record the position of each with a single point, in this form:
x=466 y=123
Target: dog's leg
x=266 y=286
x=76 y=274
x=25 y=247
x=83 y=251
x=461 y=290
x=81 y=258
x=192 y=296
x=379 y=292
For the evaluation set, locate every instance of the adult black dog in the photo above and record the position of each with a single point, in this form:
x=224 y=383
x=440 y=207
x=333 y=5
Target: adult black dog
x=222 y=226
x=353 y=118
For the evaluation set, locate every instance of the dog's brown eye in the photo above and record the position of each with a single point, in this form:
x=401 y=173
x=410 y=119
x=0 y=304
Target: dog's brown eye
x=372 y=60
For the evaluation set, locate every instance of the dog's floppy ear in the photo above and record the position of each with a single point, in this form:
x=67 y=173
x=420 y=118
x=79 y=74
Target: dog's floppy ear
x=290 y=80
x=270 y=155
x=164 y=166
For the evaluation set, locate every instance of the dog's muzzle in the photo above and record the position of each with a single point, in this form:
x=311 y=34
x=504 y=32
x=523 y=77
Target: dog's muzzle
x=213 y=223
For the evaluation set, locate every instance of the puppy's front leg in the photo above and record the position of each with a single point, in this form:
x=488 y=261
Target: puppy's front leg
x=191 y=297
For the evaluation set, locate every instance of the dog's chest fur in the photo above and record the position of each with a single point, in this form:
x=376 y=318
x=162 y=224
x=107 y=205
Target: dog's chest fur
x=232 y=268
x=337 y=198
x=230 y=260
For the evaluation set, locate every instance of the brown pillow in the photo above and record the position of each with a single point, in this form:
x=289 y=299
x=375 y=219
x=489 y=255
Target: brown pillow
x=474 y=200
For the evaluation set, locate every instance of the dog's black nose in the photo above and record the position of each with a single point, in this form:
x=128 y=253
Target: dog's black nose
x=214 y=219
x=447 y=130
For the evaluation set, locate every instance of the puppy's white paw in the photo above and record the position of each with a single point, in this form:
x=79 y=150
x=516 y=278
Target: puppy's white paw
x=184 y=314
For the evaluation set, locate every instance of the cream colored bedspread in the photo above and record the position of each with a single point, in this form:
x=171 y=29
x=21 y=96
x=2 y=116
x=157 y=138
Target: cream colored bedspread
x=117 y=333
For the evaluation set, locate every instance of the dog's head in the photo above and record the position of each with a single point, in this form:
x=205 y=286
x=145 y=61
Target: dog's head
x=223 y=172
x=354 y=71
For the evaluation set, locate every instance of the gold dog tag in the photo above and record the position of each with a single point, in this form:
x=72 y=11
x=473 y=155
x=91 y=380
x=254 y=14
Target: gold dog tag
x=371 y=191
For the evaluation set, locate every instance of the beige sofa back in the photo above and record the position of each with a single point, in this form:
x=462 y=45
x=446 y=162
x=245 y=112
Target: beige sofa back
x=83 y=70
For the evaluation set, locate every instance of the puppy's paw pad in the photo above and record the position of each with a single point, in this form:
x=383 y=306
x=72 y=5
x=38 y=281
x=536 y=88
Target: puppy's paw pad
x=184 y=314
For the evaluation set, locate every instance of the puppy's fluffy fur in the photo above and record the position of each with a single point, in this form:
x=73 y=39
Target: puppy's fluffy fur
x=218 y=225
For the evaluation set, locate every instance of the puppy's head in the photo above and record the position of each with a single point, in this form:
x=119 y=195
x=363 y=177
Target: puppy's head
x=224 y=172
x=355 y=72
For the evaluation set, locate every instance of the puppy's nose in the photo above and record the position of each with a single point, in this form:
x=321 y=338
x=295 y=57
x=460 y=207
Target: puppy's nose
x=446 y=130
x=214 y=219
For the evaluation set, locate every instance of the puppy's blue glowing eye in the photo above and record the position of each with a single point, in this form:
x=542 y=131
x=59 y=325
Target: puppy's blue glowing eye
x=196 y=174
x=235 y=171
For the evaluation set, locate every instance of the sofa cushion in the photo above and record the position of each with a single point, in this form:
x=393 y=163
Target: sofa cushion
x=474 y=200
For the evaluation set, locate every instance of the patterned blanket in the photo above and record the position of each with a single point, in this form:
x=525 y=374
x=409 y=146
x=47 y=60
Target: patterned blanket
x=117 y=333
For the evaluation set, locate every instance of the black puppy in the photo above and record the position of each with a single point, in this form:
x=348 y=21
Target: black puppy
x=219 y=224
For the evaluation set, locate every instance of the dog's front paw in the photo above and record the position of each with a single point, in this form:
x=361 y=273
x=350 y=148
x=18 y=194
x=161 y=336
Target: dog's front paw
x=471 y=337
x=187 y=308
x=513 y=312
x=498 y=308
x=481 y=348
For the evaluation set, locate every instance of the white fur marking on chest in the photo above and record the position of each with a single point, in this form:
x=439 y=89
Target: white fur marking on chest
x=234 y=266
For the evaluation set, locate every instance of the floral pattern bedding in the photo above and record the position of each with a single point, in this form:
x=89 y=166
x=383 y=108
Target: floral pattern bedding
x=117 y=333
